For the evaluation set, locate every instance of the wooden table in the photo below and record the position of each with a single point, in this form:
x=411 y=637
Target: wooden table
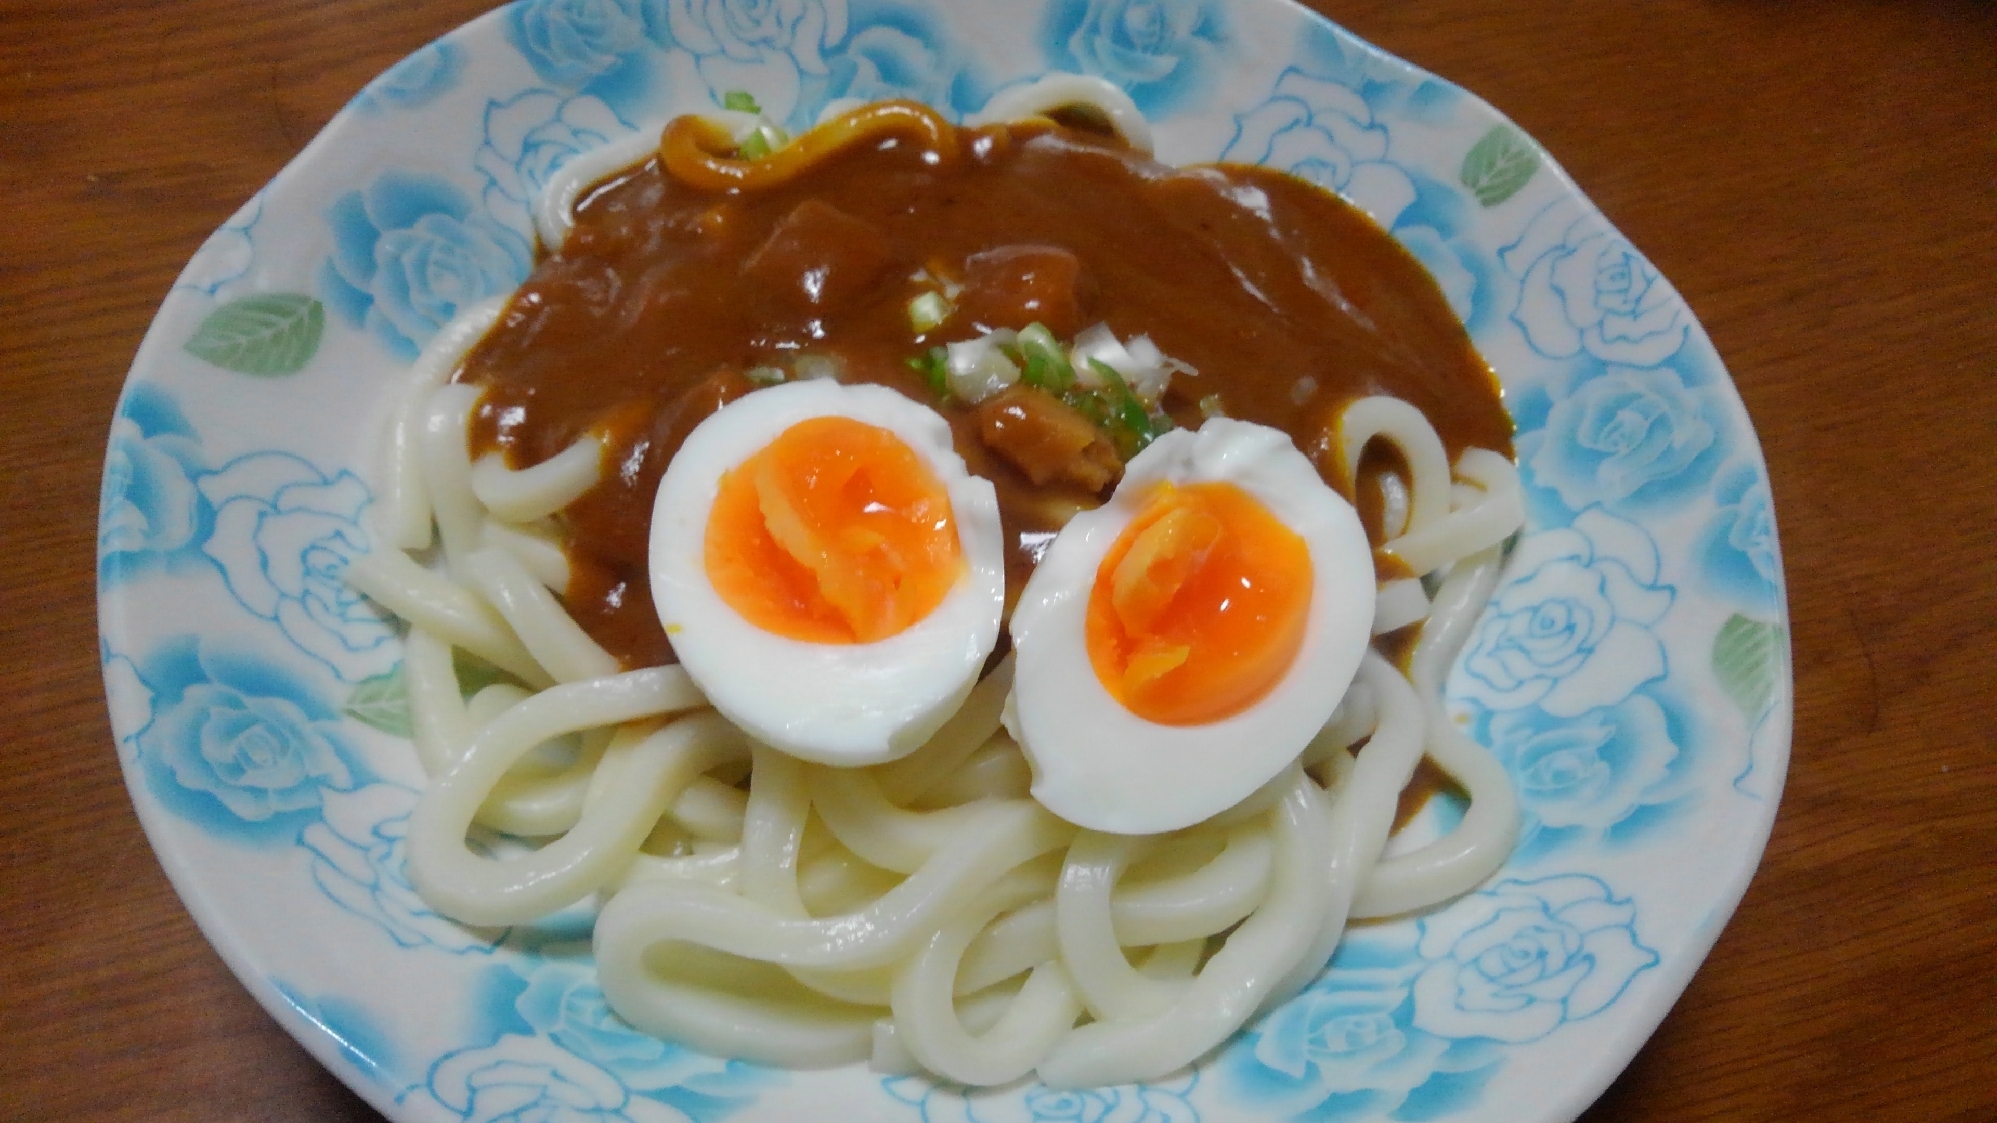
x=1818 y=178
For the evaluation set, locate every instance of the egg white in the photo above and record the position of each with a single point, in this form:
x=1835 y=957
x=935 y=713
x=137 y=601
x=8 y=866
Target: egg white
x=840 y=704
x=1098 y=765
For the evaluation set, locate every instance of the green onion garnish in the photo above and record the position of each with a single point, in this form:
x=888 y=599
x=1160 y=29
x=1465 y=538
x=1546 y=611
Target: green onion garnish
x=741 y=101
x=934 y=367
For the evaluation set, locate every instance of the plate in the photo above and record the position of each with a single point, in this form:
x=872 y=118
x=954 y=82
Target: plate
x=1632 y=673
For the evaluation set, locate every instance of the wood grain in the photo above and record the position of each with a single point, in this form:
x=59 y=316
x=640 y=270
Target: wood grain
x=1818 y=178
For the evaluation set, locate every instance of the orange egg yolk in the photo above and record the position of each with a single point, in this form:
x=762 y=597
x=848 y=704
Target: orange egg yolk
x=835 y=532
x=1199 y=607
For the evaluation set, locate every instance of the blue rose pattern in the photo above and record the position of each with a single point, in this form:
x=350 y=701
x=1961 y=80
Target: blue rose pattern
x=775 y=49
x=238 y=743
x=1572 y=627
x=1517 y=961
x=1167 y=1101
x=409 y=254
x=564 y=1003
x=1626 y=435
x=1322 y=131
x=416 y=81
x=1561 y=678
x=149 y=507
x=1409 y=1025
x=1583 y=288
x=529 y=138
x=283 y=536
x=1592 y=777
x=1743 y=563
x=570 y=43
x=519 y=1079
x=226 y=255
x=1162 y=52
x=901 y=51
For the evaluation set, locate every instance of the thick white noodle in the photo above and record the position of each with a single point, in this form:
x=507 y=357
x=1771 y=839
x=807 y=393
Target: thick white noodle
x=1410 y=432
x=1363 y=809
x=454 y=614
x=1064 y=91
x=1498 y=510
x=549 y=633
x=1400 y=602
x=1110 y=987
x=402 y=516
x=533 y=493
x=537 y=548
x=1234 y=982
x=1458 y=861
x=447 y=469
x=481 y=890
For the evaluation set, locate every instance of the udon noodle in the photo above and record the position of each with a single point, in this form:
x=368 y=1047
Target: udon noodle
x=924 y=914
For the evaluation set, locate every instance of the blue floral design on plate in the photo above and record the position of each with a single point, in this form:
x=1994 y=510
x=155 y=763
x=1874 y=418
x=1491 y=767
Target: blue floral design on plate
x=1584 y=288
x=528 y=138
x=774 y=49
x=520 y=1078
x=1572 y=629
x=410 y=253
x=1166 y=1101
x=1739 y=557
x=1519 y=960
x=1630 y=437
x=1347 y=1048
x=284 y=534
x=1410 y=1024
x=238 y=744
x=555 y=1050
x=572 y=43
x=1162 y=52
x=1322 y=131
x=227 y=253
x=564 y=1003
x=129 y=698
x=363 y=1042
x=899 y=50
x=416 y=81
x=149 y=510
x=358 y=852
x=1606 y=775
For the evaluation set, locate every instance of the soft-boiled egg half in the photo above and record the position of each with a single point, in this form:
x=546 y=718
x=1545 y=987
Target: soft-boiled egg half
x=1178 y=646
x=827 y=570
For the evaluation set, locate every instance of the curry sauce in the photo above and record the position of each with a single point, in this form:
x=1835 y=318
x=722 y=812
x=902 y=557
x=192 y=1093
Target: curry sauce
x=667 y=301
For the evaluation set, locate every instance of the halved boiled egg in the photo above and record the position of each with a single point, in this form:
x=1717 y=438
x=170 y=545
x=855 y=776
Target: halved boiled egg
x=1183 y=643
x=827 y=570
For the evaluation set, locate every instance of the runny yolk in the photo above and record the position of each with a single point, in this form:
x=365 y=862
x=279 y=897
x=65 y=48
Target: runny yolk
x=1199 y=607
x=834 y=532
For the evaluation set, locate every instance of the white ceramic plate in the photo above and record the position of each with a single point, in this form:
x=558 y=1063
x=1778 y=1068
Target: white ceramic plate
x=1632 y=674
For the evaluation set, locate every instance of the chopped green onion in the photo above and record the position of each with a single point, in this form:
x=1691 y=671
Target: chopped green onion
x=1040 y=347
x=934 y=367
x=764 y=376
x=757 y=145
x=741 y=101
x=927 y=312
x=1128 y=422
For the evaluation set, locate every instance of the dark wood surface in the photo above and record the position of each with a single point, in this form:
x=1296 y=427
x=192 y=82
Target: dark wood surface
x=1818 y=178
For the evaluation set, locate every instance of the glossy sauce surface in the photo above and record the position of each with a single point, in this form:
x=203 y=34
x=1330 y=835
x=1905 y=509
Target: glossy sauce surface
x=1288 y=303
